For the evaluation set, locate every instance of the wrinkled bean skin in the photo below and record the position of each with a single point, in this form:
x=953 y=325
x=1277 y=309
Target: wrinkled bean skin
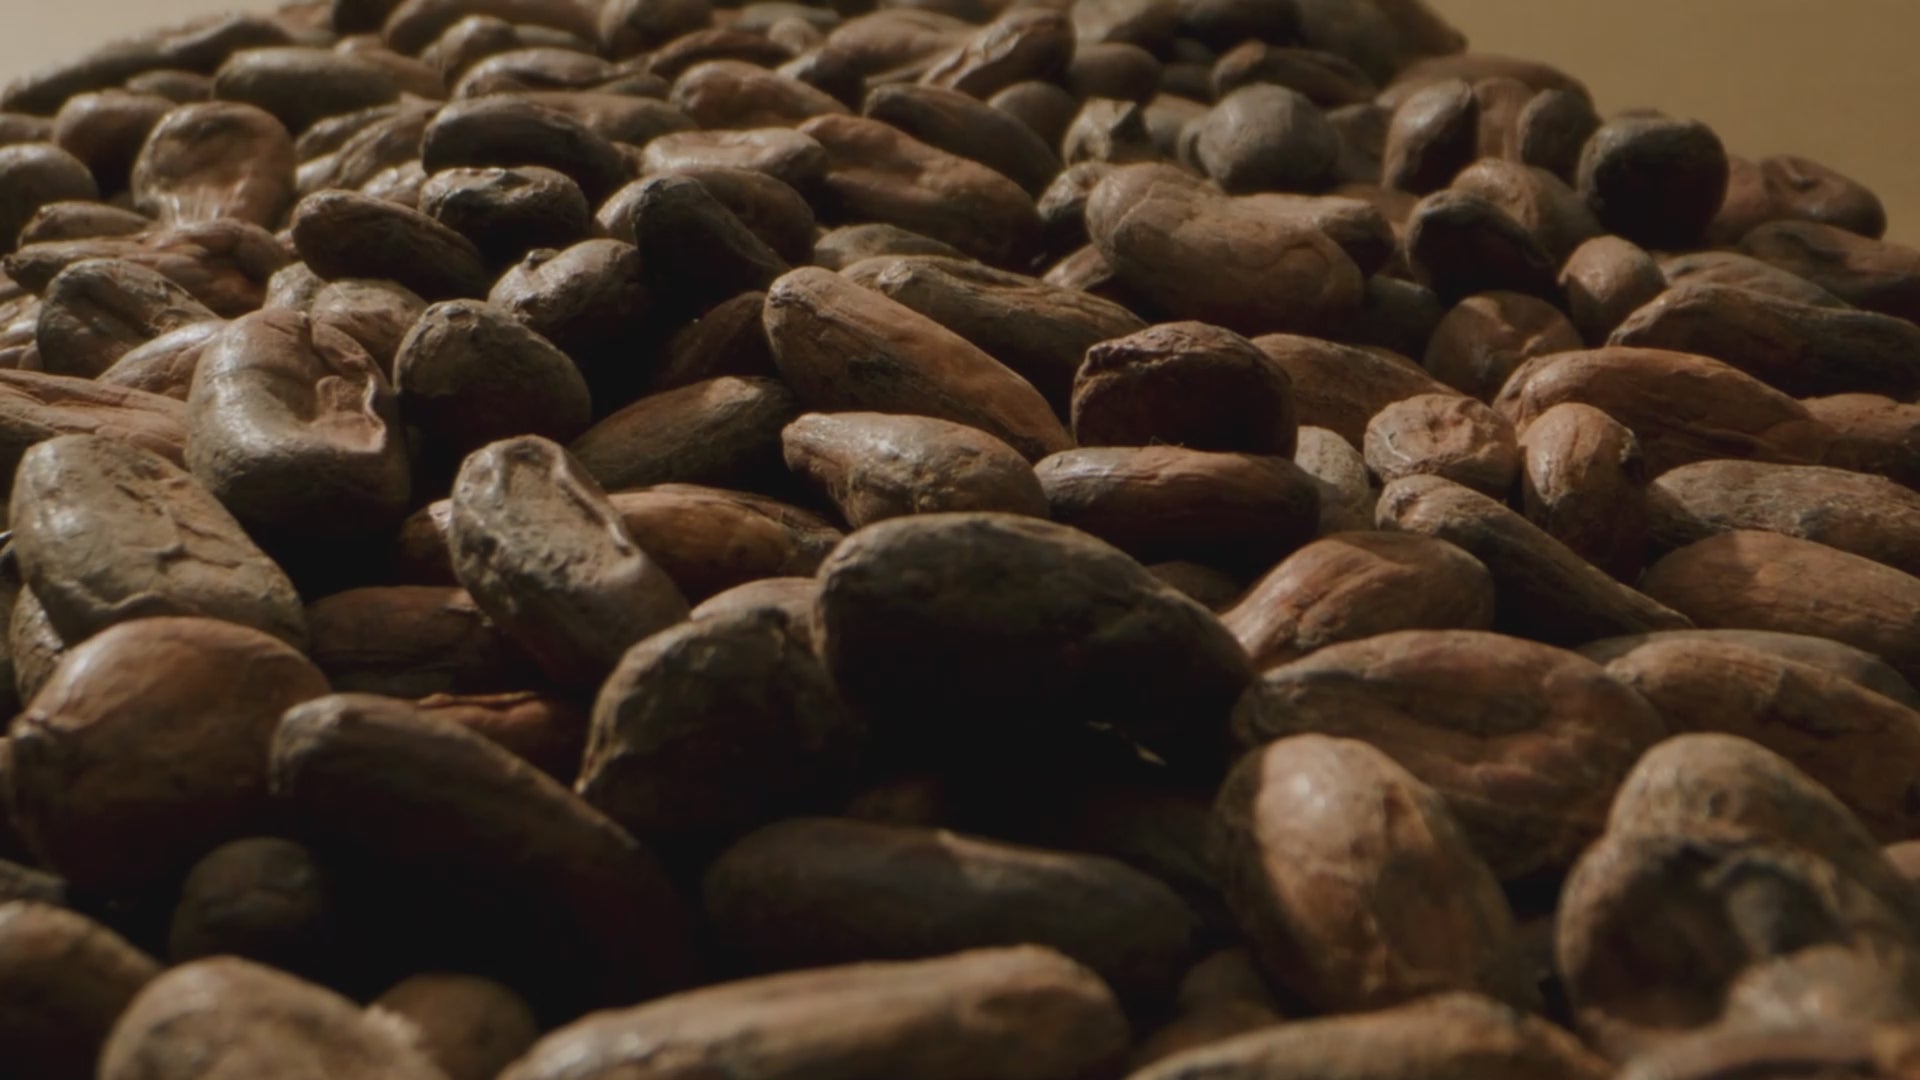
x=1338 y=589
x=216 y=160
x=848 y=348
x=171 y=548
x=874 y=466
x=296 y=430
x=1198 y=255
x=1543 y=715
x=536 y=542
x=1343 y=941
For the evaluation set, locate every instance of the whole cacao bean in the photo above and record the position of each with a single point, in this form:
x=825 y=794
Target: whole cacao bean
x=1854 y=512
x=842 y=346
x=1483 y=339
x=1185 y=384
x=73 y=219
x=878 y=173
x=1583 y=481
x=112 y=807
x=501 y=130
x=1459 y=243
x=66 y=980
x=1545 y=590
x=508 y=212
x=771 y=208
x=1788 y=188
x=262 y=899
x=97 y=311
x=843 y=881
x=589 y=299
x=536 y=543
x=1443 y=435
x=226 y=1018
x=1866 y=273
x=1838 y=658
x=673 y=215
x=170 y=548
x=348 y=235
x=1759 y=907
x=105 y=129
x=1605 y=280
x=1265 y=137
x=1199 y=255
x=1433 y=136
x=710 y=539
x=1064 y=627
x=1868 y=433
x=1356 y=585
x=295 y=430
x=1539 y=201
x=1828 y=726
x=1240 y=511
x=468 y=373
x=1653 y=180
x=409 y=641
x=300 y=85
x=590 y=903
x=1801 y=349
x=1040 y=331
x=1531 y=789
x=723 y=432
x=1362 y=936
x=1744 y=580
x=875 y=466
x=1682 y=408
x=1022 y=1013
x=657 y=763
x=964 y=125
x=33 y=175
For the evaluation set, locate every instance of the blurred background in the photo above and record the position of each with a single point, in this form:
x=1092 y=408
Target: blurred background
x=1834 y=80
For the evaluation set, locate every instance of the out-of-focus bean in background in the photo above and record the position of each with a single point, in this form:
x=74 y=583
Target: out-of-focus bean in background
x=1835 y=80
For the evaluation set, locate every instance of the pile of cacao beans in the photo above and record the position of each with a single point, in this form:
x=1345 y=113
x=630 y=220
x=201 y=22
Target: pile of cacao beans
x=941 y=539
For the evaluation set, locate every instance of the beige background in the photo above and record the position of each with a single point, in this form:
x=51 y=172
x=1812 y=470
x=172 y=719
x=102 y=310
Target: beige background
x=1836 y=80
